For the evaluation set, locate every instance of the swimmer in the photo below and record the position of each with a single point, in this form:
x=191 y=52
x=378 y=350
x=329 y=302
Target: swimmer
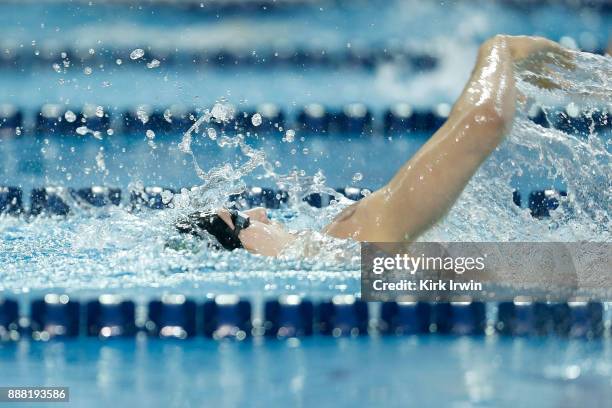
x=425 y=188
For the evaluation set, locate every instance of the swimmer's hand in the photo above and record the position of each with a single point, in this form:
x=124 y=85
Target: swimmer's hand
x=538 y=60
x=524 y=48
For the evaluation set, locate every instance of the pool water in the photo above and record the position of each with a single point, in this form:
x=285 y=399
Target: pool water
x=117 y=250
x=125 y=159
x=390 y=372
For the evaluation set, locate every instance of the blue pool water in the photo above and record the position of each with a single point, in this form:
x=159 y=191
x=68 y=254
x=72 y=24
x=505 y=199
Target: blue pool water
x=390 y=372
x=71 y=160
x=114 y=250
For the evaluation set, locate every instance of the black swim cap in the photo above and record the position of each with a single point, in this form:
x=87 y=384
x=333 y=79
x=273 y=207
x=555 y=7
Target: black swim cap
x=210 y=222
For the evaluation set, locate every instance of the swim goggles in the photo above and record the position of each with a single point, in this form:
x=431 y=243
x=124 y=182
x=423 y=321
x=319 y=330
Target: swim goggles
x=210 y=222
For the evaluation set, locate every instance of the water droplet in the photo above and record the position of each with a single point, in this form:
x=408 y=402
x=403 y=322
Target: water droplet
x=118 y=61
x=290 y=136
x=357 y=177
x=110 y=132
x=142 y=114
x=153 y=64
x=150 y=134
x=70 y=116
x=57 y=68
x=305 y=150
x=166 y=196
x=319 y=178
x=212 y=133
x=256 y=119
x=185 y=145
x=222 y=112
x=64 y=55
x=92 y=51
x=87 y=71
x=100 y=161
x=99 y=111
x=82 y=130
x=137 y=53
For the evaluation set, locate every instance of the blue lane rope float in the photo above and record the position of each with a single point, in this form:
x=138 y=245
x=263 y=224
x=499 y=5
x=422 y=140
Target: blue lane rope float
x=342 y=315
x=405 y=318
x=151 y=197
x=349 y=120
x=11 y=119
x=110 y=316
x=9 y=319
x=291 y=57
x=172 y=316
x=55 y=315
x=459 y=318
x=49 y=200
x=57 y=200
x=575 y=319
x=297 y=56
x=11 y=200
x=226 y=316
x=288 y=316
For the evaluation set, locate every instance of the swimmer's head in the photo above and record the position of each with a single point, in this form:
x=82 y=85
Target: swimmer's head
x=200 y=223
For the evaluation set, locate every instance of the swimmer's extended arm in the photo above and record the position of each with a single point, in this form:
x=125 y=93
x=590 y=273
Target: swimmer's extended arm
x=424 y=189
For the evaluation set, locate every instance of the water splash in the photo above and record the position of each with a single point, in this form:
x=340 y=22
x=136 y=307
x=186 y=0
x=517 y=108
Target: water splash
x=223 y=181
x=116 y=249
x=577 y=162
x=578 y=159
